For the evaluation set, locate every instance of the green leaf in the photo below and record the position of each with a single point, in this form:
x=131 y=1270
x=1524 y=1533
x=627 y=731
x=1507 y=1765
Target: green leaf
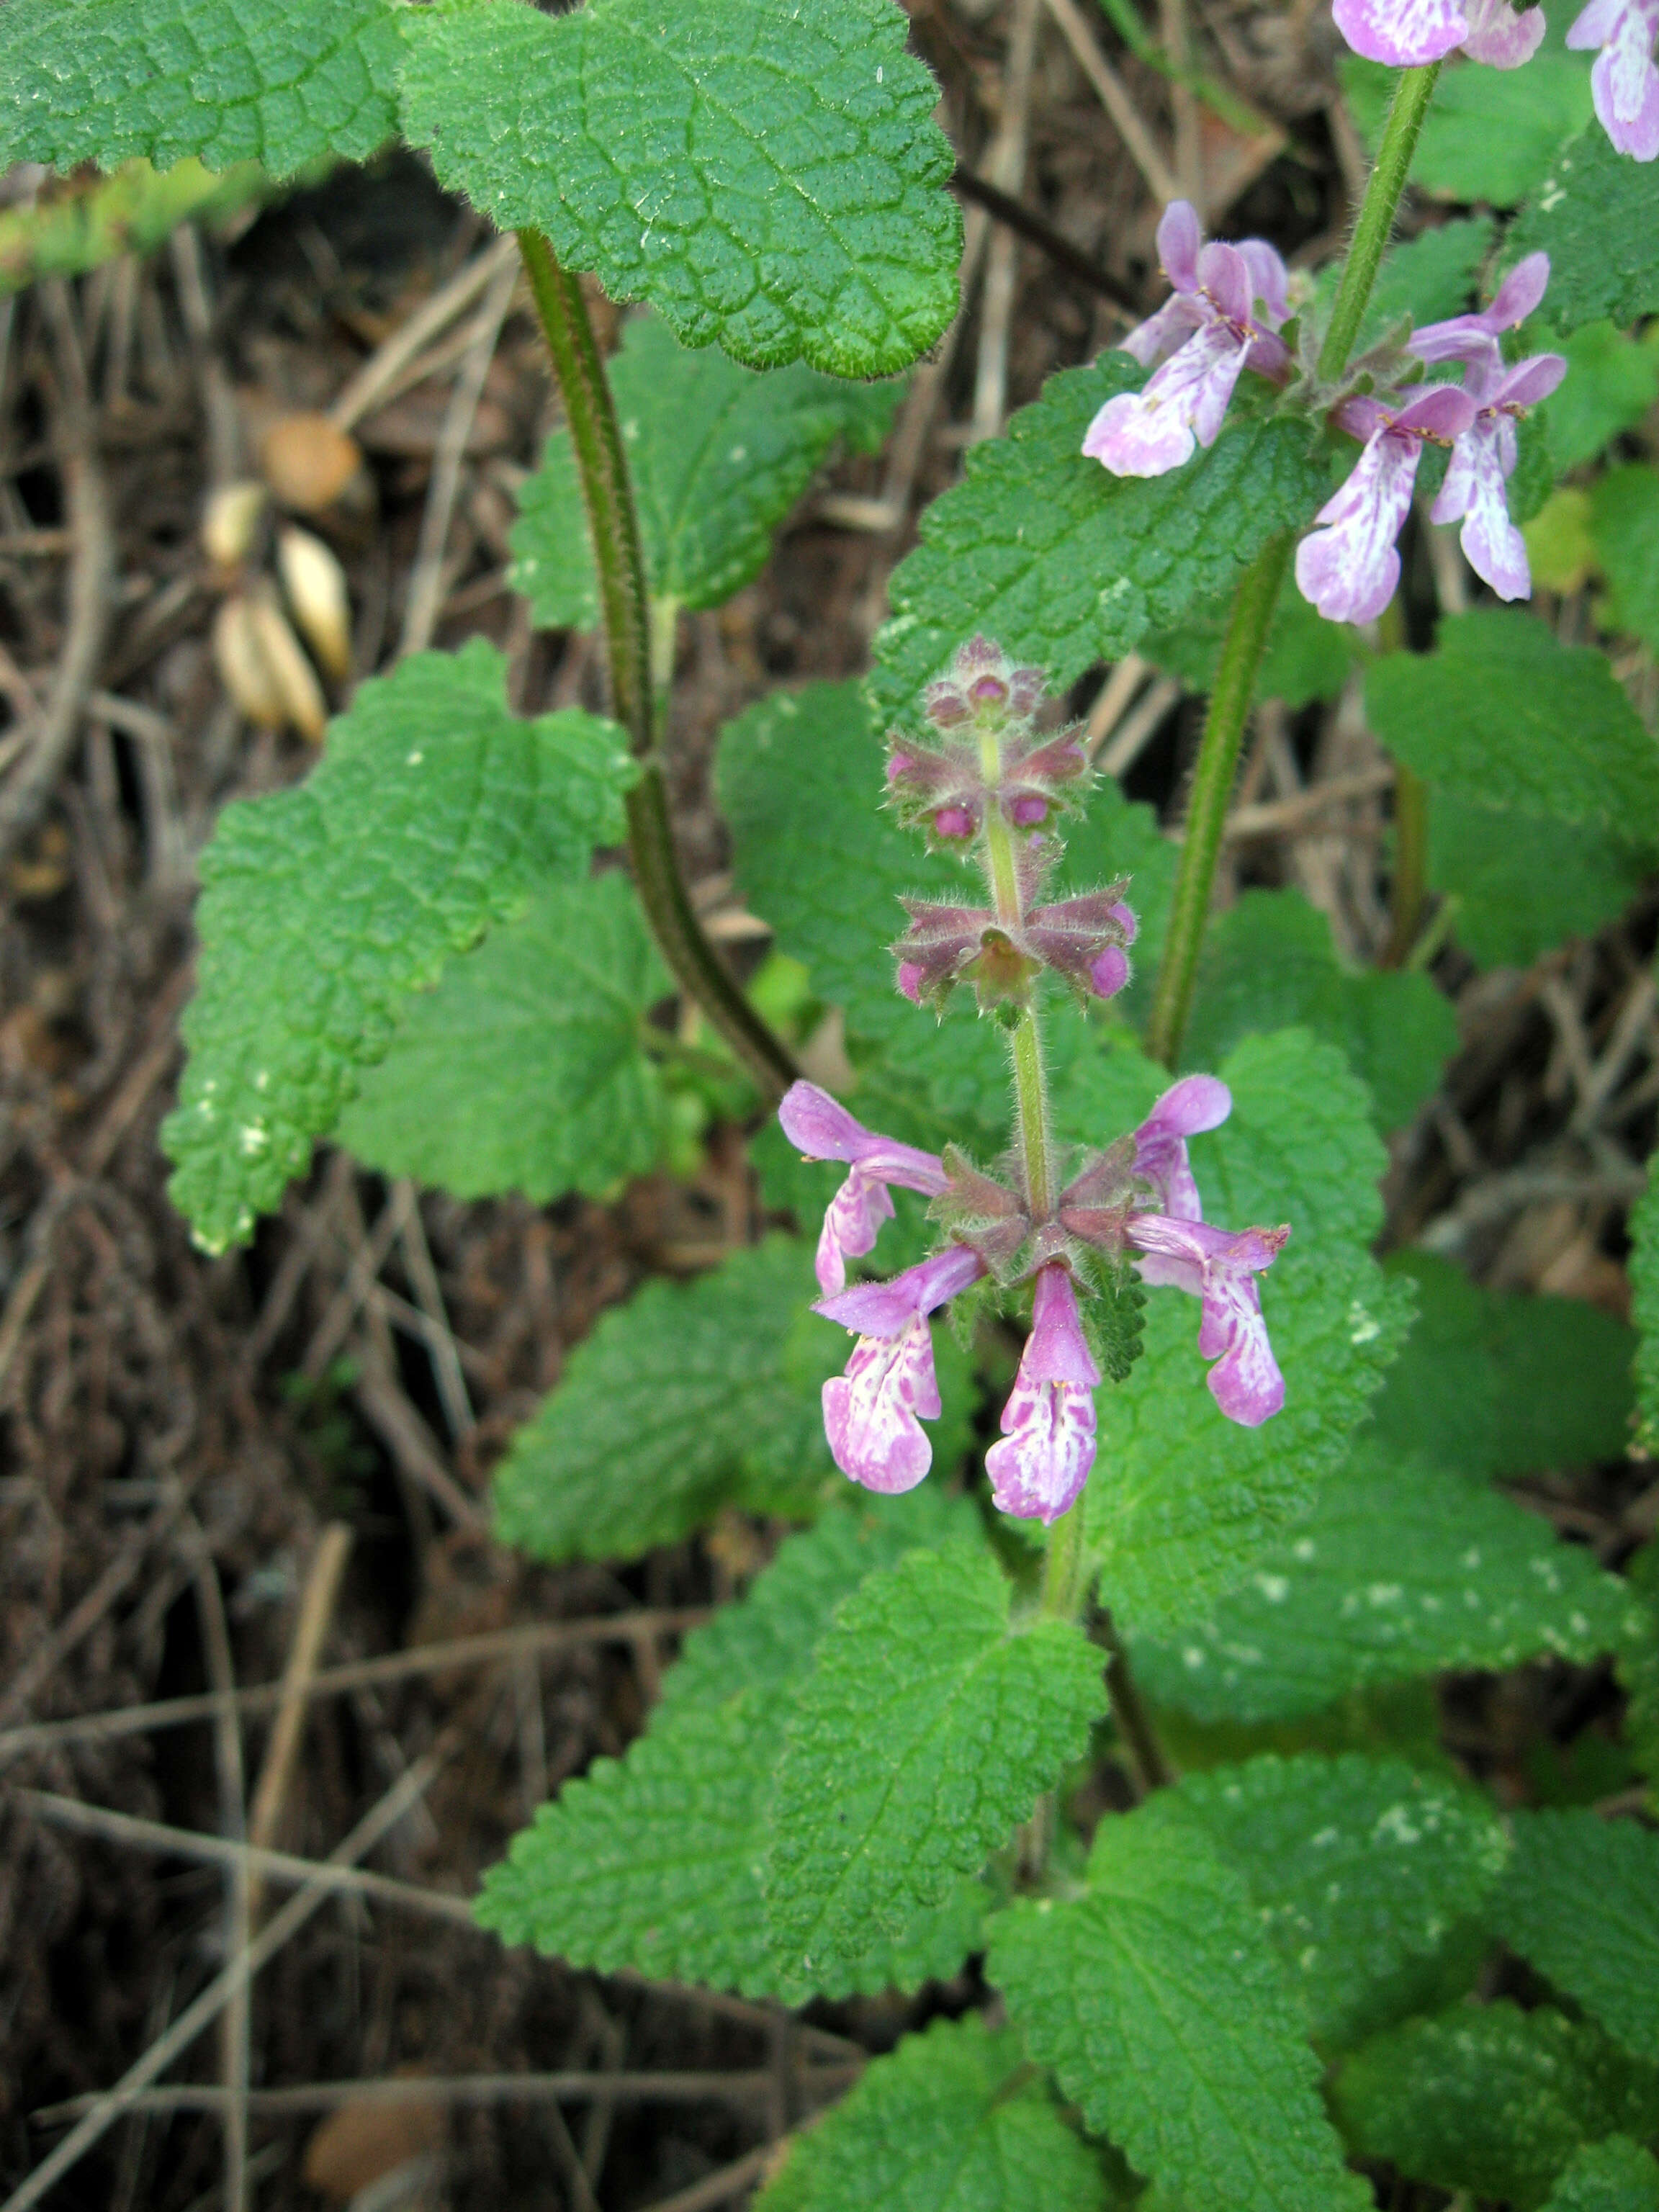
x=1639 y=1667
x=1065 y=564
x=706 y=1394
x=1644 y=1287
x=1625 y=524
x=650 y=1862
x=1358 y=1866
x=1490 y=2099
x=526 y=1068
x=1614 y=2176
x=1580 y=1903
x=718 y=454
x=1306 y=657
x=1523 y=884
x=1490 y=134
x=90 y=220
x=1612 y=380
x=1502 y=714
x=1400 y=1570
x=953 y=2120
x=104 y=80
x=1430 y=278
x=1183 y=1502
x=431 y=814
x=925 y=1733
x=766 y=173
x=1270 y=961
x=1491 y=1384
x=1596 y=215
x=1157 y=2001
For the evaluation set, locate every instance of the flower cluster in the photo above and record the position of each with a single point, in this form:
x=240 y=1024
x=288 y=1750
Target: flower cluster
x=1138 y=1199
x=1625 y=81
x=1347 y=566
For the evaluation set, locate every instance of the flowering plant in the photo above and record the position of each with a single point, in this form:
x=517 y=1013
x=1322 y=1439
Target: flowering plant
x=934 y=1741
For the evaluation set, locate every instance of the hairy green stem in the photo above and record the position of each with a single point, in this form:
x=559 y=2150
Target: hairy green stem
x=1154 y=1769
x=1411 y=865
x=1062 y=1569
x=1212 y=784
x=1412 y=91
x=625 y=608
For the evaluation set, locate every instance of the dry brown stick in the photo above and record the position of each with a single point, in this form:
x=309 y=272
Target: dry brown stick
x=429 y=1293
x=1274 y=815
x=1114 y=97
x=386 y=1409
x=744 y=2087
x=224 y=424
x=375 y=380
x=1178 y=51
x=385 y=1814
x=32 y=1277
x=1138 y=726
x=317 y=1605
x=146 y=1072
x=1625 y=1041
x=368 y=1260
x=362 y=1674
x=717 y=2188
x=235 y=2023
x=1005 y=167
x=426 y=582
x=91 y=598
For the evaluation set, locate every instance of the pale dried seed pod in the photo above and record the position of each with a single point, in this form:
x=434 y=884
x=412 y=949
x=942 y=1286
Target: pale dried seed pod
x=318 y=597
x=309 y=462
x=229 y=520
x=294 y=677
x=243 y=669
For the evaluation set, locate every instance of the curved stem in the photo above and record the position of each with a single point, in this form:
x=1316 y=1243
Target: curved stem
x=1212 y=784
x=625 y=607
x=1374 y=222
x=1153 y=1768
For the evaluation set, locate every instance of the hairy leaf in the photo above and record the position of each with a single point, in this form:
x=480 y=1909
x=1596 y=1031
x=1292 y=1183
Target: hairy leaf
x=1490 y=2099
x=1158 y=2001
x=1502 y=714
x=953 y=2120
x=1270 y=961
x=718 y=454
x=1430 y=277
x=1614 y=2176
x=650 y=1862
x=1492 y=1383
x=1612 y=380
x=1596 y=215
x=1400 y=1570
x=690 y=1397
x=431 y=814
x=1357 y=1865
x=1065 y=564
x=1306 y=657
x=1580 y=1903
x=526 y=1068
x=104 y=80
x=925 y=1733
x=766 y=173
x=1523 y=884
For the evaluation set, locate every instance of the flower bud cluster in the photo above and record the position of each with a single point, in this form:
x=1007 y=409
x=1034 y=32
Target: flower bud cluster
x=984 y=750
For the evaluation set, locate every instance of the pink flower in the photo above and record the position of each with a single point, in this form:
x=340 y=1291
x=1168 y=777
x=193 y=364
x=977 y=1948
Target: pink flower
x=1196 y=344
x=1197 y=1102
x=823 y=1130
x=1348 y=567
x=1220 y=1267
x=1474 y=338
x=1048 y=1443
x=1406 y=33
x=1483 y=459
x=872 y=1414
x=1624 y=83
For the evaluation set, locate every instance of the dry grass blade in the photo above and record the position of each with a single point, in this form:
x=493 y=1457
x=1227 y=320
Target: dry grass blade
x=317 y=1605
x=1114 y=97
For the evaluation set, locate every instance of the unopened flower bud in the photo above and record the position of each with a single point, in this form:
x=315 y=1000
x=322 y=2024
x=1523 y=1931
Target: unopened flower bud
x=953 y=822
x=1109 y=973
x=1027 y=811
x=989 y=691
x=945 y=705
x=909 y=980
x=898 y=766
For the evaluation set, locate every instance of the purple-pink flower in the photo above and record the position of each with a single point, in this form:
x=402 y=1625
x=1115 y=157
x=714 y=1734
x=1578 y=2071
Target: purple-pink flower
x=1229 y=301
x=1220 y=1267
x=1625 y=82
x=821 y=1127
x=872 y=1414
x=1348 y=567
x=1483 y=459
x=1406 y=33
x=1048 y=1447
x=1197 y=1102
x=1475 y=337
